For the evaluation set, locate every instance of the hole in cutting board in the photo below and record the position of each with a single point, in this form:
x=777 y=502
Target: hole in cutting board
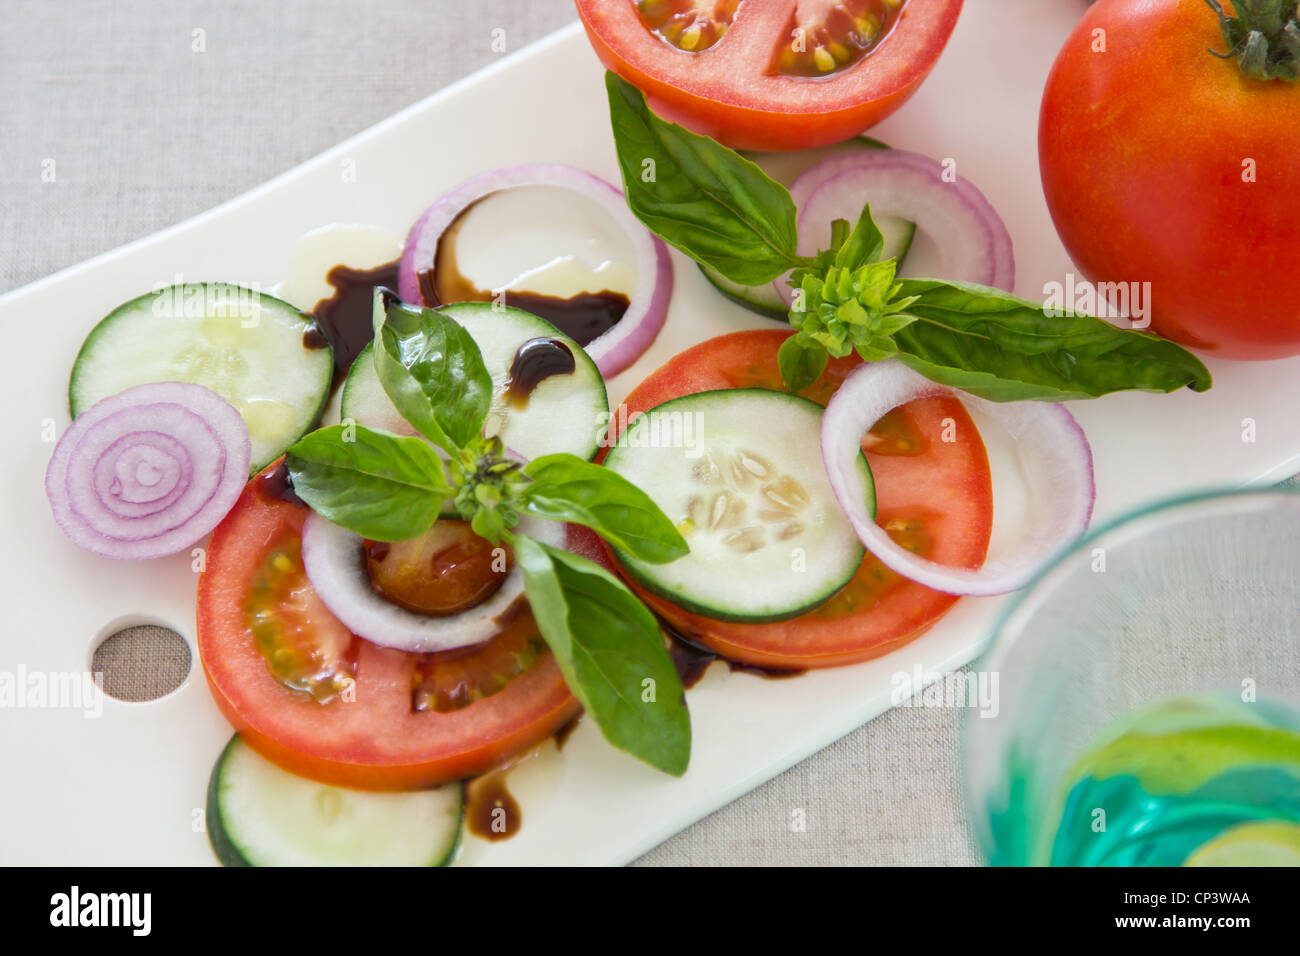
x=141 y=662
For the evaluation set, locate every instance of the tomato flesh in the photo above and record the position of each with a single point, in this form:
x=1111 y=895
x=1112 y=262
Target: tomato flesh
x=447 y=570
x=934 y=496
x=377 y=736
x=830 y=36
x=450 y=680
x=749 y=80
x=304 y=646
x=689 y=25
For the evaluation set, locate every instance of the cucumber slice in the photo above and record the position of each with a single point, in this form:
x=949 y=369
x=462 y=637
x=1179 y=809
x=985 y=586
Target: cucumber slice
x=740 y=472
x=245 y=345
x=565 y=413
x=898 y=235
x=260 y=815
x=785 y=169
x=762 y=299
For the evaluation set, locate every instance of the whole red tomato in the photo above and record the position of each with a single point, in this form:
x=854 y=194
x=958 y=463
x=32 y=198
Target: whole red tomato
x=772 y=74
x=1163 y=163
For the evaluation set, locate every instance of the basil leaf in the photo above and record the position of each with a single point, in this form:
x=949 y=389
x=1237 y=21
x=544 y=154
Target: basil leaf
x=801 y=360
x=708 y=201
x=1003 y=348
x=611 y=653
x=566 y=488
x=432 y=370
x=865 y=244
x=488 y=523
x=384 y=487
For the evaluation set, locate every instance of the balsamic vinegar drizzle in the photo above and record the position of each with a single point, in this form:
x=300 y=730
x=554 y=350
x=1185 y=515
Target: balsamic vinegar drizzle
x=562 y=735
x=582 y=317
x=534 y=362
x=344 y=321
x=491 y=812
x=692 y=660
x=277 y=484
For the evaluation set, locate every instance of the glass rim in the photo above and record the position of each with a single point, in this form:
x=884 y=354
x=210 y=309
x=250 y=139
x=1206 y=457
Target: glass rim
x=1020 y=599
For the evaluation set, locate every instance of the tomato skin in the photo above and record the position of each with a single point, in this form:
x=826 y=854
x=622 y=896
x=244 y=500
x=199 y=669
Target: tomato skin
x=735 y=99
x=902 y=610
x=374 y=742
x=1142 y=150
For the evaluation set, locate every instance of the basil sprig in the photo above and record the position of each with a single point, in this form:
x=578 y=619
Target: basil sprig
x=718 y=208
x=391 y=488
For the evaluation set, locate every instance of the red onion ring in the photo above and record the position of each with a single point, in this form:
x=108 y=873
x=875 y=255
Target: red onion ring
x=1050 y=443
x=149 y=471
x=972 y=238
x=622 y=345
x=336 y=567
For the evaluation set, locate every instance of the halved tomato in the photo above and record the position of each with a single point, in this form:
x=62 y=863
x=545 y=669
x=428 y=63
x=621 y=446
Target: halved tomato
x=772 y=74
x=934 y=493
x=406 y=720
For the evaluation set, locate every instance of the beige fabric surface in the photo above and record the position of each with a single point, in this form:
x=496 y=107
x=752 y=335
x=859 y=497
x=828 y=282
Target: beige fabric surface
x=144 y=133
x=140 y=663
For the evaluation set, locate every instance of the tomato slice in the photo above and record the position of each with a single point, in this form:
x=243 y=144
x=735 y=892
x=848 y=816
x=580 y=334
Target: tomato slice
x=409 y=721
x=772 y=74
x=934 y=493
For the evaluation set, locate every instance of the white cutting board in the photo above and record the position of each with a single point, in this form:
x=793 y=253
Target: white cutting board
x=124 y=788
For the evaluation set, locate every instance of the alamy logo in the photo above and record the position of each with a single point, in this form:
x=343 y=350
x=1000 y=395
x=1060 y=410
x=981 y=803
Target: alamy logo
x=659 y=429
x=198 y=300
x=977 y=690
x=1105 y=300
x=75 y=908
x=57 y=690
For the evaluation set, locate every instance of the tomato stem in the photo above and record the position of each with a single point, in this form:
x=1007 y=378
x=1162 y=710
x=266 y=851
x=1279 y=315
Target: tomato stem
x=1263 y=37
